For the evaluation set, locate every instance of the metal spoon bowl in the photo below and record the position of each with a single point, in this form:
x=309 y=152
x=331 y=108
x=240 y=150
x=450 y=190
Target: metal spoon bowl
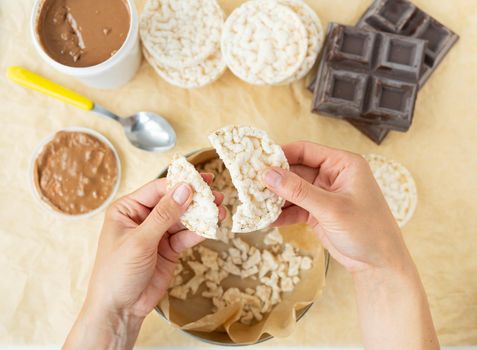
x=149 y=131
x=145 y=130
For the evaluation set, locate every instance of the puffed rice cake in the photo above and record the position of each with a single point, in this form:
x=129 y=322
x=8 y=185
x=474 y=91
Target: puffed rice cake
x=264 y=42
x=247 y=151
x=191 y=77
x=181 y=33
x=315 y=34
x=397 y=185
x=202 y=215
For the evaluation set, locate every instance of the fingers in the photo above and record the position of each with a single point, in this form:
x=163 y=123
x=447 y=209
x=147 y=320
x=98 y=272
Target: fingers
x=178 y=226
x=306 y=173
x=149 y=194
x=295 y=189
x=328 y=163
x=126 y=213
x=172 y=245
x=222 y=213
x=314 y=155
x=218 y=197
x=324 y=178
x=308 y=153
x=291 y=216
x=132 y=209
x=184 y=240
x=208 y=177
x=167 y=212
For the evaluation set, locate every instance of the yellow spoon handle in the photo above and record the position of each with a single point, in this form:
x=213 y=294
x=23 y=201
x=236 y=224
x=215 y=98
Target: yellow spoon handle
x=36 y=82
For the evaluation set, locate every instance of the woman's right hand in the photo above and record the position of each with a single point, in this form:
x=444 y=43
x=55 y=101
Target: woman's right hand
x=335 y=192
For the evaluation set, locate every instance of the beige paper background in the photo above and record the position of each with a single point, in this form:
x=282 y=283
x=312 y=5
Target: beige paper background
x=45 y=262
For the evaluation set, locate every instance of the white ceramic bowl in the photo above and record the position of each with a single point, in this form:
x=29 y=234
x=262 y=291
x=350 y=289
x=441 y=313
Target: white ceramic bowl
x=112 y=73
x=48 y=207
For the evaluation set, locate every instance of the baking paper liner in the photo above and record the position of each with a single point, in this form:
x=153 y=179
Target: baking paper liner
x=194 y=315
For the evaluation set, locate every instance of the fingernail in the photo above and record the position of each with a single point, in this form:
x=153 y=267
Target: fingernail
x=181 y=194
x=272 y=177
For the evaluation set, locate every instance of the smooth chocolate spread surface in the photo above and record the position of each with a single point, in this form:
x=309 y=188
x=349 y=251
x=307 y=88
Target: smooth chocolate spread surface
x=83 y=33
x=75 y=172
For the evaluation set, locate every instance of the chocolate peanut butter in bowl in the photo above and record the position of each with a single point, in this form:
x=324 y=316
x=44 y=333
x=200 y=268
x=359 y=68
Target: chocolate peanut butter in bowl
x=83 y=33
x=76 y=172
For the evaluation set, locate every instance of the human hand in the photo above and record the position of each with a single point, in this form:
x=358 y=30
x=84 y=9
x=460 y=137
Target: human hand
x=139 y=247
x=336 y=194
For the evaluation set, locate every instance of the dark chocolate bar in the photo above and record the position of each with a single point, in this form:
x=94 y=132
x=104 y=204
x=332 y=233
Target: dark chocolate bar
x=404 y=18
x=311 y=86
x=369 y=77
x=376 y=133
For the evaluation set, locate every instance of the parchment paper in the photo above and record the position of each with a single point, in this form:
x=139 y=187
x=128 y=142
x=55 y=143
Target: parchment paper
x=194 y=314
x=45 y=263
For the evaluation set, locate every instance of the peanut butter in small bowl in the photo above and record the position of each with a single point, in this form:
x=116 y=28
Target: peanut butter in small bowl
x=76 y=172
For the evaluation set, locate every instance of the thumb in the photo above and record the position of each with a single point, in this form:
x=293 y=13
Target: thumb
x=167 y=212
x=294 y=189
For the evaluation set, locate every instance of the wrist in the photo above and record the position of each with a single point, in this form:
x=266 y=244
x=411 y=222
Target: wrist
x=393 y=308
x=398 y=277
x=114 y=320
x=101 y=328
x=388 y=257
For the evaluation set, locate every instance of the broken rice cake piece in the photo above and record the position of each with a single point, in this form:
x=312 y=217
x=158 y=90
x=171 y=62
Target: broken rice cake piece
x=202 y=216
x=275 y=273
x=247 y=151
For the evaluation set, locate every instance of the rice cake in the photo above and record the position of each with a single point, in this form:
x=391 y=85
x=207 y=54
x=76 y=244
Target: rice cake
x=191 y=77
x=315 y=35
x=202 y=216
x=397 y=185
x=246 y=152
x=264 y=42
x=181 y=33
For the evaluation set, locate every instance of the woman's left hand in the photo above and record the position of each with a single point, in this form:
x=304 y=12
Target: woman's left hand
x=138 y=250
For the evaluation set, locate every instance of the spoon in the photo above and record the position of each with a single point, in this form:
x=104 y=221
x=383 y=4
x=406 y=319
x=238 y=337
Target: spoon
x=145 y=130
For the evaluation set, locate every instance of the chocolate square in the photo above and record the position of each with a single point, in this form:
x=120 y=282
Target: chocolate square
x=439 y=42
x=391 y=103
x=375 y=133
x=343 y=91
x=392 y=16
x=369 y=78
x=404 y=18
x=353 y=47
x=401 y=57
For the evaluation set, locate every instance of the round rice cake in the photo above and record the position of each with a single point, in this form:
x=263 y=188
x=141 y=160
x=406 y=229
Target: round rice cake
x=315 y=35
x=263 y=42
x=202 y=215
x=181 y=33
x=397 y=185
x=191 y=77
x=247 y=151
